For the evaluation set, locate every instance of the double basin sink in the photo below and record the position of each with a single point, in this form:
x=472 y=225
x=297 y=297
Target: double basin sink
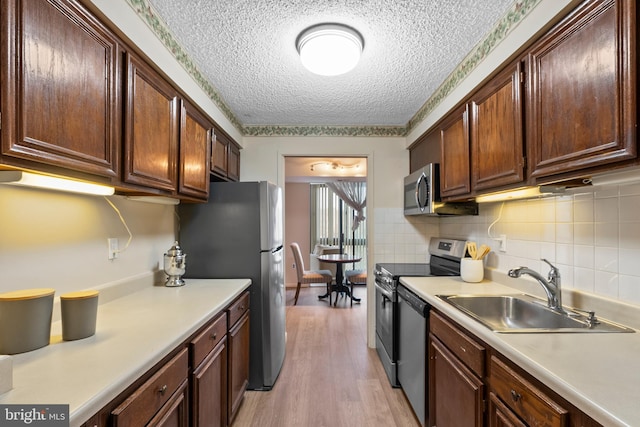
x=523 y=313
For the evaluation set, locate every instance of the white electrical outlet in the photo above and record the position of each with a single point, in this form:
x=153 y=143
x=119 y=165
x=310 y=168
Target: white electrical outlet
x=503 y=242
x=113 y=248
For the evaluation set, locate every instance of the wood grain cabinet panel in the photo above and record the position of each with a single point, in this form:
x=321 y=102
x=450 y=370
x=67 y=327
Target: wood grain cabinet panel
x=426 y=150
x=238 y=364
x=154 y=395
x=456 y=395
x=209 y=378
x=531 y=405
x=195 y=143
x=175 y=413
x=454 y=142
x=497 y=147
x=233 y=162
x=582 y=90
x=60 y=88
x=500 y=415
x=219 y=156
x=151 y=128
x=225 y=157
x=209 y=389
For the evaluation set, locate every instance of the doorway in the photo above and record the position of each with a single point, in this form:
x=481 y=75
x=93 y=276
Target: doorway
x=315 y=215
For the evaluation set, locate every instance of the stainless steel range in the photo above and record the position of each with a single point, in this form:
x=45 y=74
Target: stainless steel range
x=444 y=260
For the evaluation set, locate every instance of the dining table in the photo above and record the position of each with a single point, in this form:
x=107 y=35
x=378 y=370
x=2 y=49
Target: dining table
x=340 y=260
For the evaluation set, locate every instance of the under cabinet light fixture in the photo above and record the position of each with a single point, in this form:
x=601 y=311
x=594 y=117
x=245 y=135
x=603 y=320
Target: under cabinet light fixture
x=28 y=179
x=158 y=200
x=521 y=193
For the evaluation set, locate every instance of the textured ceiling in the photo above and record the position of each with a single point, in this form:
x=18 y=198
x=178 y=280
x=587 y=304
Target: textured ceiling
x=245 y=49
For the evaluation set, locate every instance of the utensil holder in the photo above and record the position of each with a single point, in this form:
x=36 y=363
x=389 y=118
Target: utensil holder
x=79 y=313
x=471 y=270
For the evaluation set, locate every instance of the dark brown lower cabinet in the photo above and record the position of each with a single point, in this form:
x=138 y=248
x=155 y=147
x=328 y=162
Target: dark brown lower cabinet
x=456 y=395
x=238 y=364
x=500 y=415
x=175 y=412
x=471 y=384
x=200 y=384
x=160 y=400
x=209 y=385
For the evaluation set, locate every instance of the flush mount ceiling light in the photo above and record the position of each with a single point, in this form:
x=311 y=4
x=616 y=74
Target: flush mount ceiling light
x=329 y=49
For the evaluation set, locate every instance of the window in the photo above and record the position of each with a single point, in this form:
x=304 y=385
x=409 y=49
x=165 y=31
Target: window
x=325 y=223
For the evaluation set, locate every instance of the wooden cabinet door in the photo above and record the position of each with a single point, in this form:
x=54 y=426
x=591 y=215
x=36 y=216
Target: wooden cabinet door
x=219 y=156
x=497 y=148
x=209 y=385
x=151 y=128
x=455 y=394
x=195 y=137
x=233 y=160
x=454 y=146
x=60 y=76
x=238 y=364
x=582 y=90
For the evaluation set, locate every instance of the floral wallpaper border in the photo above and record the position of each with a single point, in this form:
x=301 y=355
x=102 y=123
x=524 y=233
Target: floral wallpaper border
x=519 y=10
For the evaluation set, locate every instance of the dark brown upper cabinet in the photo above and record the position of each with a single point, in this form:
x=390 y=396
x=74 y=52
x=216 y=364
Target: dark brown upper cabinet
x=195 y=142
x=151 y=128
x=581 y=94
x=497 y=147
x=60 y=73
x=225 y=158
x=454 y=146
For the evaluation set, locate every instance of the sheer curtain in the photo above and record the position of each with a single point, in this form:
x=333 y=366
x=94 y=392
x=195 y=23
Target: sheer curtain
x=325 y=218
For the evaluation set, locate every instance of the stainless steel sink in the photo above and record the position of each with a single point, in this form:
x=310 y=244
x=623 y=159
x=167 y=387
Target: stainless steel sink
x=526 y=314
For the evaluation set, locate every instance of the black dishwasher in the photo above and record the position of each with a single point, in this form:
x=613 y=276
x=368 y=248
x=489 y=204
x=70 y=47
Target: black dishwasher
x=412 y=350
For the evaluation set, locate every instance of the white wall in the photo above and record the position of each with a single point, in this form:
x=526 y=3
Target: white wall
x=59 y=240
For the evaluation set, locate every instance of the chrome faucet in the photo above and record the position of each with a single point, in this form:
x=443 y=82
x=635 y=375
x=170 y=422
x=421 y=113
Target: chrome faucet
x=551 y=285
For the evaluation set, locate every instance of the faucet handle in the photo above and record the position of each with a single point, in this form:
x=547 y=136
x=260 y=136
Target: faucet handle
x=555 y=272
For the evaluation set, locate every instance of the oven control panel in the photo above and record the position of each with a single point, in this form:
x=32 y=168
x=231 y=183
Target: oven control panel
x=447 y=248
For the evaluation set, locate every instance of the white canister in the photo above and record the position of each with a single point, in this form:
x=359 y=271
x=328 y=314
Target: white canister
x=471 y=270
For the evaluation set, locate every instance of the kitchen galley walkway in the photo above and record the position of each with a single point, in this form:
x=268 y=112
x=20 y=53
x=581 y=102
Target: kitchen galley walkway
x=330 y=377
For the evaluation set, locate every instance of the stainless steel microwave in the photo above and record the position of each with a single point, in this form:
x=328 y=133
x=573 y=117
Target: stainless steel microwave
x=422 y=195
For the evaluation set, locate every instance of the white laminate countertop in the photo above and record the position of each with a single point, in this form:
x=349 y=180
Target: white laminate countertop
x=599 y=373
x=133 y=333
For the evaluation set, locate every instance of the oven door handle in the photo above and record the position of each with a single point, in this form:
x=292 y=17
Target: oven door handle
x=386 y=294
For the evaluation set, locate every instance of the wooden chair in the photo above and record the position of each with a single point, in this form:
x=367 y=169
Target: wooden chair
x=309 y=276
x=358 y=277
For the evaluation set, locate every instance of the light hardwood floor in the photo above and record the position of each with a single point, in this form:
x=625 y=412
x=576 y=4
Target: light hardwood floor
x=330 y=377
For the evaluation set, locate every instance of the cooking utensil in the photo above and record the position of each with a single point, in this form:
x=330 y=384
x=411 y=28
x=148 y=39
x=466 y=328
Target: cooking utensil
x=483 y=251
x=472 y=248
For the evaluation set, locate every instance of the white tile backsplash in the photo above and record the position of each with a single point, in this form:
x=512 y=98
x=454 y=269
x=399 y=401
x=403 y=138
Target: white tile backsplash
x=593 y=237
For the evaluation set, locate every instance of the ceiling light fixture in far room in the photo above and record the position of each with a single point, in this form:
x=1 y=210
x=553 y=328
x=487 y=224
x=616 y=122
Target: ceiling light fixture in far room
x=329 y=49
x=327 y=166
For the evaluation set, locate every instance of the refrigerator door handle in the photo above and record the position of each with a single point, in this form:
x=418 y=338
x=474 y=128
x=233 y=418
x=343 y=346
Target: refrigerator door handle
x=278 y=249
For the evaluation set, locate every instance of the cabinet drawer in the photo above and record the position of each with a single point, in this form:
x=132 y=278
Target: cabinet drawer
x=238 y=308
x=466 y=349
x=208 y=339
x=143 y=404
x=523 y=398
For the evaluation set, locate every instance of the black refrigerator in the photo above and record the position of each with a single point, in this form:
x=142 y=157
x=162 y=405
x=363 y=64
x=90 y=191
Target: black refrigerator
x=238 y=233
